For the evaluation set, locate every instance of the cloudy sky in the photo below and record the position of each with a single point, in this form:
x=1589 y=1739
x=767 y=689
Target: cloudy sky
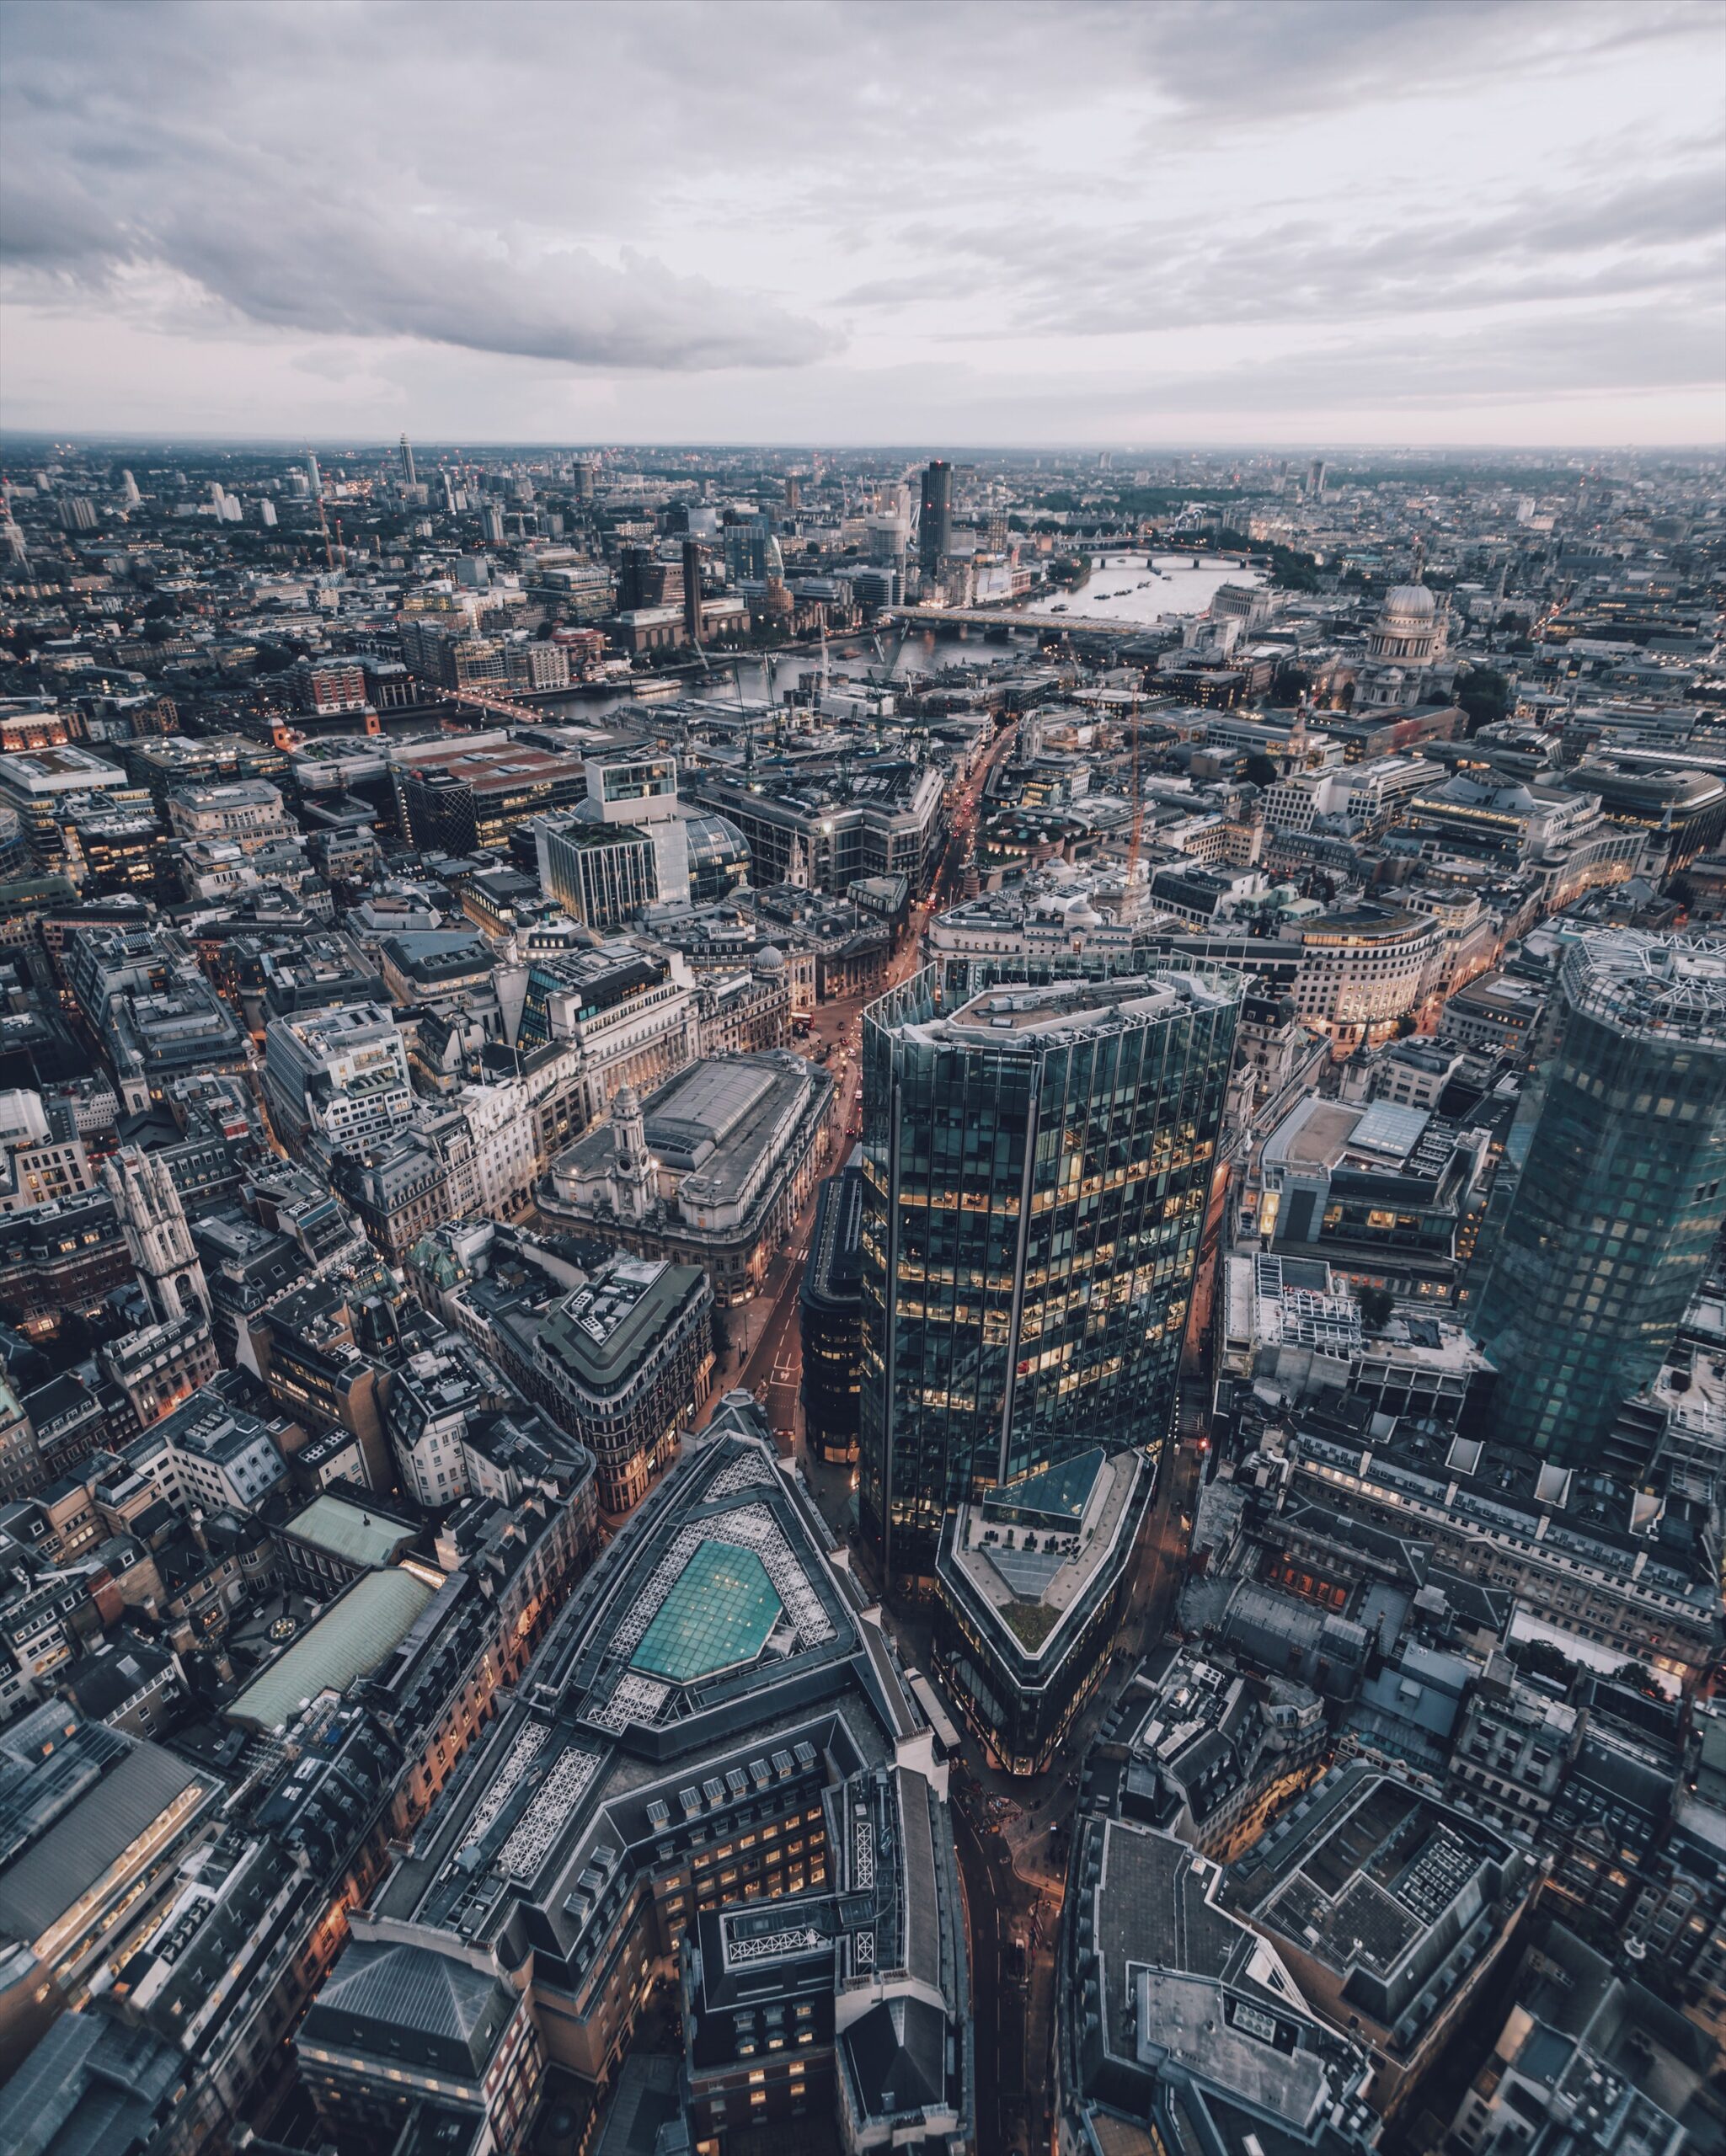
x=1184 y=221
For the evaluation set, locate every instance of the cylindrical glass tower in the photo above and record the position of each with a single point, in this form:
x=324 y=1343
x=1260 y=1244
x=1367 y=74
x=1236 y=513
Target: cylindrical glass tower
x=1036 y=1163
x=1618 y=1204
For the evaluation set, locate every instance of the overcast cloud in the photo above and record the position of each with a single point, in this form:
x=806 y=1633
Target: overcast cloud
x=1260 y=221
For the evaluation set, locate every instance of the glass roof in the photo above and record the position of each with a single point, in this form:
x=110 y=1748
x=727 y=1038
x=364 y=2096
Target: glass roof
x=1058 y=1494
x=717 y=1616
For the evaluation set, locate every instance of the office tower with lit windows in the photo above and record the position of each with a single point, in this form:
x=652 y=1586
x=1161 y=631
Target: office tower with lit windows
x=1621 y=1194
x=410 y=477
x=1036 y=1164
x=935 y=517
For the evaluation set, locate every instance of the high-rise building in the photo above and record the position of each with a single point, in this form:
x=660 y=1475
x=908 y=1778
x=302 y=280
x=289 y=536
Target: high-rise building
x=691 y=590
x=405 y=451
x=1317 y=473
x=935 y=524
x=1620 y=1196
x=314 y=477
x=1036 y=1166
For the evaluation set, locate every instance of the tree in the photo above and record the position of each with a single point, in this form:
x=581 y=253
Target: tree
x=1541 y=1658
x=1484 y=695
x=1376 y=1304
x=1259 y=769
x=1290 y=683
x=1405 y=1025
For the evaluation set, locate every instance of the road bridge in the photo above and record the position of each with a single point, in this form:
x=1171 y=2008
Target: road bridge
x=1043 y=621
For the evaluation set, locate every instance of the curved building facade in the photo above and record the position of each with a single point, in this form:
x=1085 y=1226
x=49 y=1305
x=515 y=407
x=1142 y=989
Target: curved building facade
x=1036 y=1163
x=1617 y=1207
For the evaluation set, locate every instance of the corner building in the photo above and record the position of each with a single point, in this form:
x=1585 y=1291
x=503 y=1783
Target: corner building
x=1617 y=1207
x=711 y=1783
x=1035 y=1165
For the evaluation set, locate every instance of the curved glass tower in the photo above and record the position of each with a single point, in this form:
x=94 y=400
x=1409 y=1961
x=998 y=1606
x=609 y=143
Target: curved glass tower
x=1036 y=1163
x=1608 y=1233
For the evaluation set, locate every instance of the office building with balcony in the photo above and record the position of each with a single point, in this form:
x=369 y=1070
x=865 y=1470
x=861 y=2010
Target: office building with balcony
x=35 y=784
x=1037 y=1165
x=1387 y=1196
x=1619 y=1198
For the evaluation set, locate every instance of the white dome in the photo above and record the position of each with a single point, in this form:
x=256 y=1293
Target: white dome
x=1411 y=602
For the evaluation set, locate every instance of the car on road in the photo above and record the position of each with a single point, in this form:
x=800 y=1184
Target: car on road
x=1019 y=1961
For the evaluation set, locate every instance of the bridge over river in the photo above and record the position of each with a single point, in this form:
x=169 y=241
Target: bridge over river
x=1041 y=621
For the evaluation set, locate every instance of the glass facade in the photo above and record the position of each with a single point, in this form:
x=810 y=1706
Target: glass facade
x=719 y=859
x=1608 y=1233
x=1035 y=1170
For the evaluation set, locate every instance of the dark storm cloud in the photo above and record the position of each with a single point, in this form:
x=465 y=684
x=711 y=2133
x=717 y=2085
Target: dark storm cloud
x=272 y=206
x=674 y=188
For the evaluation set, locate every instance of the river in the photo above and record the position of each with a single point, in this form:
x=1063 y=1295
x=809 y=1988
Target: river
x=1145 y=587
x=1122 y=587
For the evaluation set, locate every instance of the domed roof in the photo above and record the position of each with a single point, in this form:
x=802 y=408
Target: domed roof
x=770 y=959
x=1412 y=602
x=625 y=1101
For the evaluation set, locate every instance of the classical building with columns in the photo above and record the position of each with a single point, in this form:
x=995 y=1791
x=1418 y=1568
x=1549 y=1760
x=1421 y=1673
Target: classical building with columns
x=711 y=1169
x=1402 y=648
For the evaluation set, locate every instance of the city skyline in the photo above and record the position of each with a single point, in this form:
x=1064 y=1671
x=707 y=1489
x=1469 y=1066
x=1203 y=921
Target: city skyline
x=1202 y=225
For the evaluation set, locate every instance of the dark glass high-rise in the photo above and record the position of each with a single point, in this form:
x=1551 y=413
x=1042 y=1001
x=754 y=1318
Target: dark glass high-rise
x=1607 y=1237
x=1036 y=1165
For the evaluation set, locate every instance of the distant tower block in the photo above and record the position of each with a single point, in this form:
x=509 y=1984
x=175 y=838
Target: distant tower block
x=156 y=1233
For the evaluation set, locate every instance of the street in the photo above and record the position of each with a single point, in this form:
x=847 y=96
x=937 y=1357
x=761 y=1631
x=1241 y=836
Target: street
x=766 y=1352
x=1010 y=1834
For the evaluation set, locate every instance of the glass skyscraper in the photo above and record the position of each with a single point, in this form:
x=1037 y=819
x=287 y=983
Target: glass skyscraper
x=1608 y=1233
x=1036 y=1163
